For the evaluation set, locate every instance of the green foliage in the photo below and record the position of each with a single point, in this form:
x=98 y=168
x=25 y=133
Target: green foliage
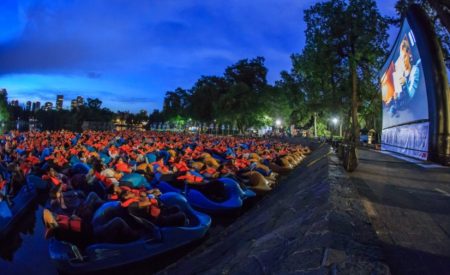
x=55 y=120
x=92 y=111
x=156 y=117
x=4 y=114
x=203 y=101
x=94 y=103
x=252 y=73
x=346 y=43
x=175 y=103
x=293 y=99
x=241 y=97
x=276 y=103
x=322 y=129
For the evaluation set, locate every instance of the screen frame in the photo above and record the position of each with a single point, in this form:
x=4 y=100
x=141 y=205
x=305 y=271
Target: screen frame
x=435 y=74
x=436 y=83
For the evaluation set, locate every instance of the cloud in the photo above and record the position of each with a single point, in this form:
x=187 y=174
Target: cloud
x=74 y=36
x=141 y=48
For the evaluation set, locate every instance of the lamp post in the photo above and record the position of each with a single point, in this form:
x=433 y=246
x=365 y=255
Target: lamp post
x=278 y=123
x=215 y=126
x=315 y=125
x=335 y=121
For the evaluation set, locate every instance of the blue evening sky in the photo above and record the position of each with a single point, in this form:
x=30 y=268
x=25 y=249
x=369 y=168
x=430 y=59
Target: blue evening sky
x=129 y=53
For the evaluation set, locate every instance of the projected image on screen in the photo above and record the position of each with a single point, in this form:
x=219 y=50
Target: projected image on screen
x=403 y=84
x=404 y=98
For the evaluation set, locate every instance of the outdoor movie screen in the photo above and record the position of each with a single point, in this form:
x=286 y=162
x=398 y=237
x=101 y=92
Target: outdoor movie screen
x=404 y=98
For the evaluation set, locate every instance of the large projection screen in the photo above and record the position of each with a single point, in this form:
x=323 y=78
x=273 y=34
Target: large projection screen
x=404 y=97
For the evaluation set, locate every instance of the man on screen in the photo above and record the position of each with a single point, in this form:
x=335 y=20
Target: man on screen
x=409 y=78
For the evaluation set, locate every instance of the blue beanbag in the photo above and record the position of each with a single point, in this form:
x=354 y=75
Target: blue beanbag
x=136 y=180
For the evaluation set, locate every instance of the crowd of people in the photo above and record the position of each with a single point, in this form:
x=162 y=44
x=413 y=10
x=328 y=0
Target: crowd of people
x=90 y=176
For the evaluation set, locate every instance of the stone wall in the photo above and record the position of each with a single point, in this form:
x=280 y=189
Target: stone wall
x=312 y=223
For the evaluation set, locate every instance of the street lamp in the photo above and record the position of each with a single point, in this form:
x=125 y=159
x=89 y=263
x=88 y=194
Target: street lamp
x=278 y=126
x=335 y=120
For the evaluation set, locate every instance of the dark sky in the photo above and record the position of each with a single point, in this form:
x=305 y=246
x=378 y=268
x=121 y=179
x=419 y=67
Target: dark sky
x=129 y=53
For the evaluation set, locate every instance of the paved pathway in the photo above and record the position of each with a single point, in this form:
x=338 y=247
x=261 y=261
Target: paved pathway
x=409 y=207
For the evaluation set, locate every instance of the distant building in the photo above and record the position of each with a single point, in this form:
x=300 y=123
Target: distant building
x=48 y=106
x=36 y=106
x=15 y=103
x=28 y=106
x=80 y=101
x=73 y=104
x=59 y=102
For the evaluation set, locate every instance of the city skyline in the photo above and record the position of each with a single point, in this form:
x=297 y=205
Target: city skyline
x=35 y=105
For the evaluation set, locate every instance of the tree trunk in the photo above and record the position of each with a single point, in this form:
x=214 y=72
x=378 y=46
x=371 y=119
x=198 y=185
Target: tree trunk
x=350 y=160
x=315 y=124
x=355 y=102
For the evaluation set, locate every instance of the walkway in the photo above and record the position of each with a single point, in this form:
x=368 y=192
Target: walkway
x=409 y=207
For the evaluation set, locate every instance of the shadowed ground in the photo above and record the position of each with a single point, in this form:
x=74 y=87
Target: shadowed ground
x=410 y=209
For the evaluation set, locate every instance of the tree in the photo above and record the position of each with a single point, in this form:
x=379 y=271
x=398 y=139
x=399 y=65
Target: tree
x=156 y=117
x=204 y=98
x=56 y=120
x=345 y=46
x=293 y=97
x=175 y=104
x=94 y=103
x=242 y=105
x=4 y=114
x=251 y=72
x=276 y=104
x=142 y=117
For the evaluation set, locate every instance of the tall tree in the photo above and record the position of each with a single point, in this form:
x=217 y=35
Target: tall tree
x=156 y=116
x=4 y=114
x=204 y=98
x=175 y=104
x=346 y=42
x=242 y=105
x=94 y=103
x=251 y=72
x=293 y=98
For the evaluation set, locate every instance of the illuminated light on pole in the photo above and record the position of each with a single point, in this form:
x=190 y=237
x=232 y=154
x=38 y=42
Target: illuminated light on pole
x=335 y=120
